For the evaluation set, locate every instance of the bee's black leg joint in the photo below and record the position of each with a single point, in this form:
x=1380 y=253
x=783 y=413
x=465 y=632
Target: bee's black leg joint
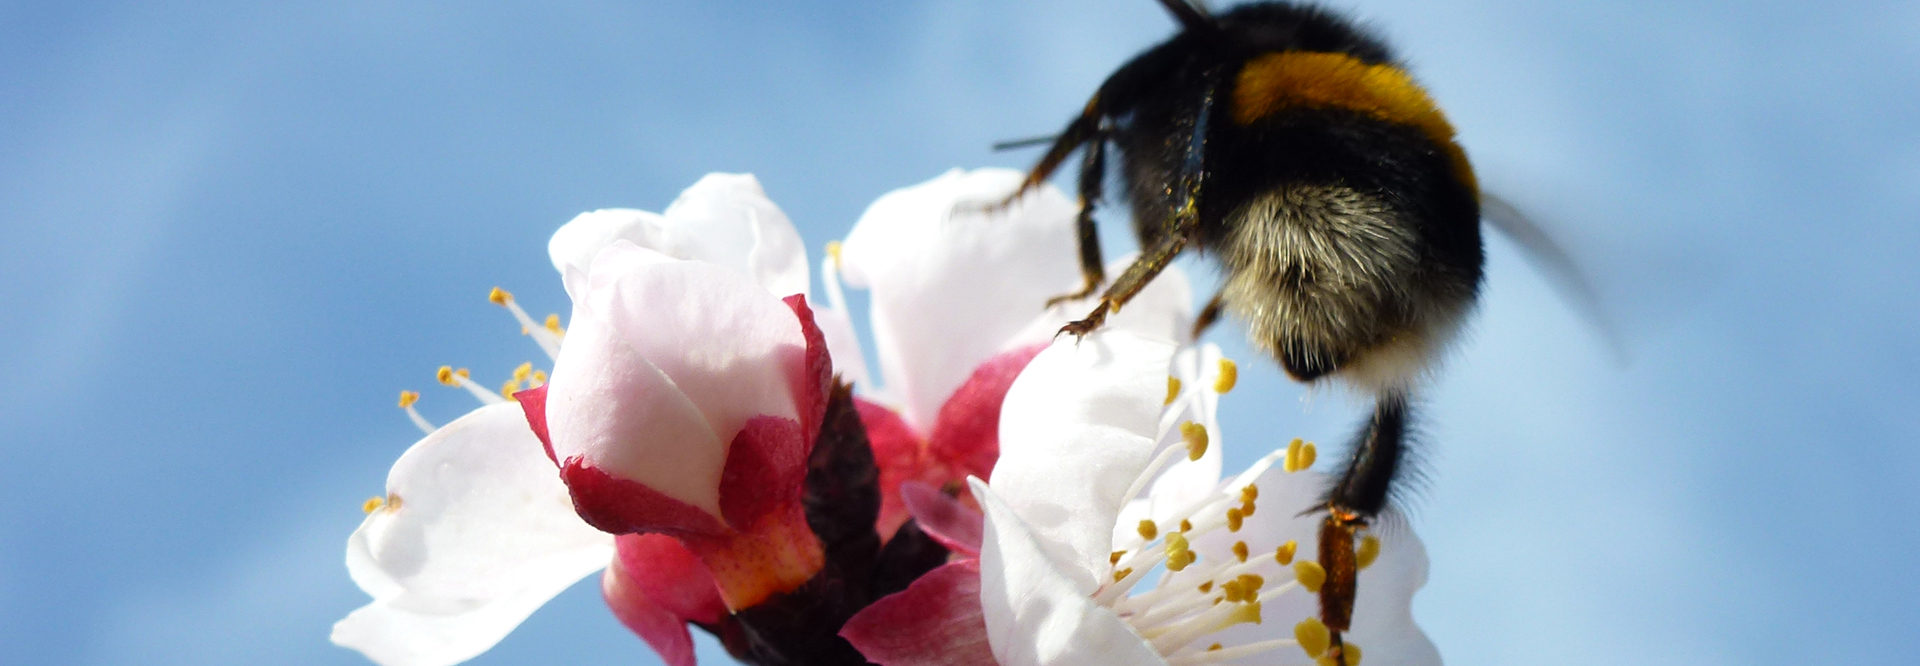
x=1366 y=482
x=1093 y=170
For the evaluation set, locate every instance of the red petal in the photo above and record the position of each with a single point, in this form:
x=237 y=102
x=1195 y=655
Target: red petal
x=766 y=468
x=533 y=401
x=619 y=506
x=899 y=454
x=943 y=517
x=816 y=376
x=934 y=622
x=664 y=631
x=966 y=436
x=670 y=576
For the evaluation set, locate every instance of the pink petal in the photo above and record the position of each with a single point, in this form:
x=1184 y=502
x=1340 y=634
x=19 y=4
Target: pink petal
x=934 y=622
x=671 y=576
x=943 y=517
x=815 y=378
x=967 y=435
x=619 y=506
x=533 y=401
x=766 y=468
x=900 y=455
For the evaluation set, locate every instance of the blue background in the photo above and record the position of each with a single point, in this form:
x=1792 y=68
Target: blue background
x=231 y=232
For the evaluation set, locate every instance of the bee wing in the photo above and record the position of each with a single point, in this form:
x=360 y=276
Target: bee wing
x=1553 y=262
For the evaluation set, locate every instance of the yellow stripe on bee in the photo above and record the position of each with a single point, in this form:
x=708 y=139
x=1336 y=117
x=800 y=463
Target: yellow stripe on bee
x=1300 y=79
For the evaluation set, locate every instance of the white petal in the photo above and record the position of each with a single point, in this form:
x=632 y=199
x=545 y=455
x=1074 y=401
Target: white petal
x=1077 y=428
x=1185 y=483
x=843 y=345
x=576 y=243
x=1037 y=614
x=952 y=285
x=729 y=220
x=483 y=534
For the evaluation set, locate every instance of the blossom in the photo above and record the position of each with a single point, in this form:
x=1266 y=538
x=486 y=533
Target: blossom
x=477 y=529
x=1110 y=471
x=959 y=306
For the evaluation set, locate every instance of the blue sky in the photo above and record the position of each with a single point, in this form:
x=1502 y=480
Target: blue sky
x=231 y=232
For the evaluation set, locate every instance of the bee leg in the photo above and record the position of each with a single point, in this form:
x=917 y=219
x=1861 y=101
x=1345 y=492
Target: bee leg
x=1092 y=173
x=1363 y=491
x=1131 y=281
x=1084 y=128
x=1209 y=315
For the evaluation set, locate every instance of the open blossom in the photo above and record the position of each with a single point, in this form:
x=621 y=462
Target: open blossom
x=691 y=412
x=1108 y=474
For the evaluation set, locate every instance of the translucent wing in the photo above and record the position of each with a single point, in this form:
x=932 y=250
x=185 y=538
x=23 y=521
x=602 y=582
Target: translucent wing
x=1553 y=262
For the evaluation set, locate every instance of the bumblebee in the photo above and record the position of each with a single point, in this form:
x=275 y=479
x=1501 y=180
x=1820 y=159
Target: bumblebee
x=1292 y=147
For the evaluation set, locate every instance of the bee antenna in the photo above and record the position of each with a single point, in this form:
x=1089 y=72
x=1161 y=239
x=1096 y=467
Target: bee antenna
x=1023 y=143
x=1191 y=14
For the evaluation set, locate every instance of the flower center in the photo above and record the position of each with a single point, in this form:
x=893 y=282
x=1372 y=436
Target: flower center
x=1198 y=596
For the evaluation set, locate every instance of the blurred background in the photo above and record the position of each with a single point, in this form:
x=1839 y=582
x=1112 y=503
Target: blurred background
x=231 y=233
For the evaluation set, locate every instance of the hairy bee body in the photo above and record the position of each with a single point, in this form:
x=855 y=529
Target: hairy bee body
x=1351 y=241
x=1290 y=146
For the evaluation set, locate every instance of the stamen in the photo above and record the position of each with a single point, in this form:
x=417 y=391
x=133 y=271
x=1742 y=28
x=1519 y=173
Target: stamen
x=520 y=374
x=1369 y=551
x=549 y=340
x=463 y=379
x=407 y=398
x=1229 y=375
x=833 y=251
x=1211 y=656
x=1185 y=526
x=539 y=377
x=1310 y=575
x=1173 y=389
x=1196 y=438
x=1217 y=618
x=1179 y=555
x=1284 y=554
x=1121 y=575
x=1240 y=550
x=373 y=504
x=553 y=326
x=1313 y=636
x=1300 y=456
x=508 y=389
x=1148 y=530
x=1235 y=518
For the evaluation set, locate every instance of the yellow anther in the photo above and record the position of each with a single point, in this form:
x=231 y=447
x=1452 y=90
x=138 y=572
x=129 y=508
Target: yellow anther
x=1246 y=613
x=1313 y=637
x=1369 y=551
x=445 y=375
x=521 y=373
x=1213 y=647
x=1206 y=587
x=539 y=376
x=833 y=251
x=1306 y=455
x=407 y=398
x=508 y=389
x=1240 y=550
x=499 y=296
x=1233 y=590
x=1185 y=525
x=553 y=325
x=1122 y=574
x=1300 y=456
x=1246 y=509
x=1229 y=375
x=1252 y=583
x=373 y=504
x=1234 y=519
x=1115 y=558
x=1250 y=493
x=1284 y=554
x=1148 y=530
x=1179 y=553
x=1173 y=389
x=1310 y=575
x=1196 y=437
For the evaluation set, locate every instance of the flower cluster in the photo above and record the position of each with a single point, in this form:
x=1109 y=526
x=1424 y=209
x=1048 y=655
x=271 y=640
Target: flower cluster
x=711 y=437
